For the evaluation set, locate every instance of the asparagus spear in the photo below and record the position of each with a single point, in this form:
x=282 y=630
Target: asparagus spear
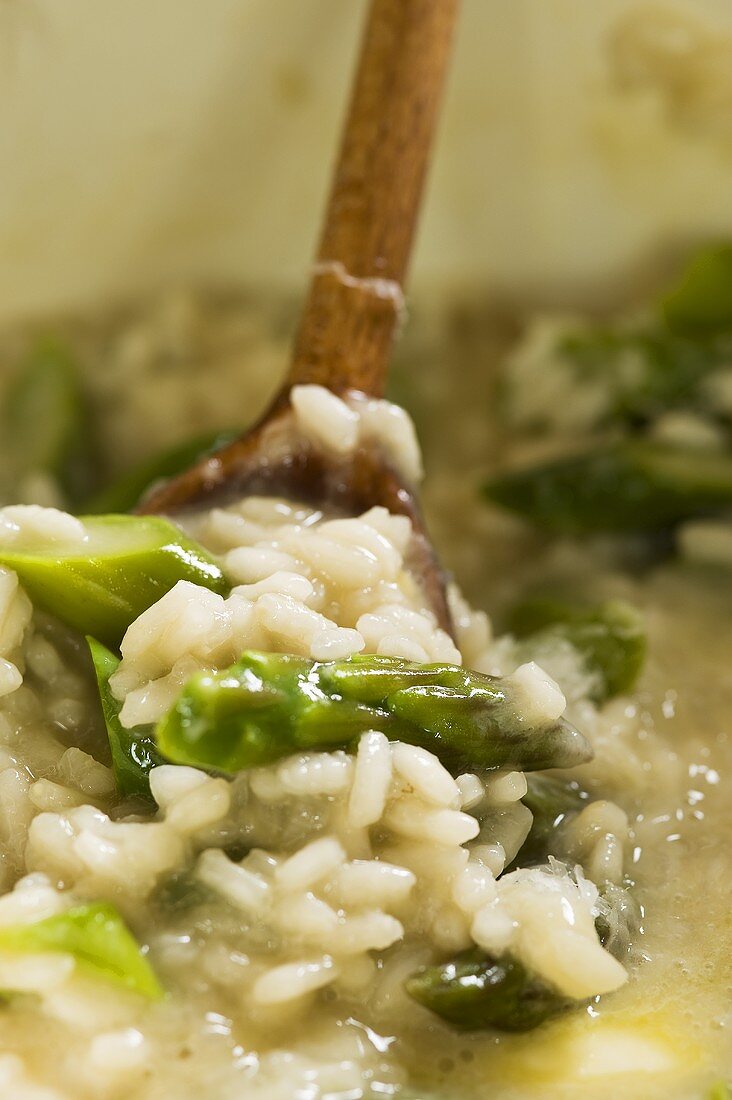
x=98 y=939
x=126 y=493
x=99 y=586
x=644 y=370
x=635 y=485
x=134 y=751
x=609 y=636
x=474 y=991
x=268 y=706
x=43 y=423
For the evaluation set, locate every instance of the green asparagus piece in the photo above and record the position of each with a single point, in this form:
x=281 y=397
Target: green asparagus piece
x=268 y=706
x=43 y=424
x=553 y=802
x=700 y=301
x=474 y=991
x=645 y=370
x=635 y=485
x=610 y=637
x=99 y=941
x=125 y=494
x=100 y=586
x=179 y=893
x=134 y=751
x=619 y=920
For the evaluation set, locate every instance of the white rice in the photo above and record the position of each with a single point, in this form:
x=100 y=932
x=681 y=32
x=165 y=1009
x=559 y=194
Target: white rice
x=471 y=790
x=358 y=867
x=38 y=526
x=372 y=779
x=325 y=419
x=505 y=787
x=425 y=776
x=310 y=865
x=15 y=616
x=540 y=698
x=292 y=981
x=339 y=427
x=243 y=888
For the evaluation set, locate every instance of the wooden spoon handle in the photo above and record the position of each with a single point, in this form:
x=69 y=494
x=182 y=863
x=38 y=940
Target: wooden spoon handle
x=354 y=301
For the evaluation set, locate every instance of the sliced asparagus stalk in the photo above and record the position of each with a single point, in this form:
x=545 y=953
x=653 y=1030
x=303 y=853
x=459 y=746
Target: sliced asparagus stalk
x=636 y=485
x=43 y=424
x=134 y=751
x=553 y=803
x=268 y=706
x=474 y=991
x=100 y=584
x=619 y=919
x=128 y=491
x=97 y=938
x=466 y=718
x=609 y=636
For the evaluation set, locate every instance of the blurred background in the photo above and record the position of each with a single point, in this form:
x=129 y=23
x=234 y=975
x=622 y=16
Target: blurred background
x=143 y=143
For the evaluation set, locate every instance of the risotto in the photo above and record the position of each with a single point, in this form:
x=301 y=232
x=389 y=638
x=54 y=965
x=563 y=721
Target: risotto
x=269 y=829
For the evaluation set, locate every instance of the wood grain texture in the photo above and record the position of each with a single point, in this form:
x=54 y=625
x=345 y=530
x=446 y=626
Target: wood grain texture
x=353 y=305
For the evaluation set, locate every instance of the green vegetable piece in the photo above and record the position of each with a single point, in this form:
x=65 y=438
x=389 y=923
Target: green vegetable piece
x=265 y=707
x=134 y=751
x=553 y=802
x=701 y=300
x=100 y=586
x=636 y=485
x=464 y=717
x=125 y=494
x=99 y=941
x=368 y=678
x=645 y=370
x=610 y=637
x=179 y=893
x=474 y=991
x=268 y=706
x=619 y=920
x=43 y=423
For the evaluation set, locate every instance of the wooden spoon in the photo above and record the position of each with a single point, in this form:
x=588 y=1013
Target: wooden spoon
x=355 y=301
